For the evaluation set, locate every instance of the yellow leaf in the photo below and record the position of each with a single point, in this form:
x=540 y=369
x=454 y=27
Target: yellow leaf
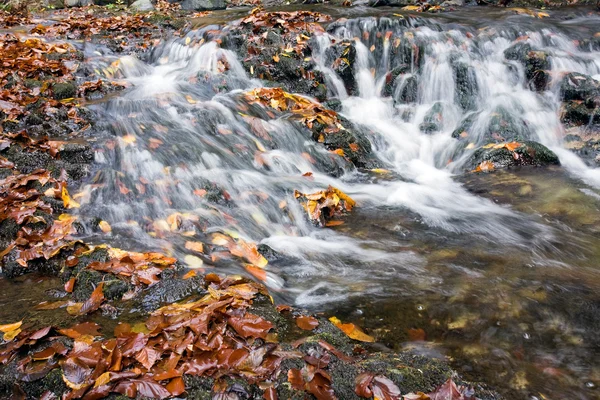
x=104 y=226
x=190 y=99
x=102 y=379
x=195 y=246
x=10 y=335
x=10 y=327
x=129 y=139
x=67 y=200
x=188 y=40
x=276 y=58
x=193 y=262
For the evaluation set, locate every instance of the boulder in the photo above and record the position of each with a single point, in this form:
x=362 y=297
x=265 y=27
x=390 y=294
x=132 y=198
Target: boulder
x=466 y=85
x=575 y=86
x=142 y=5
x=535 y=62
x=203 y=5
x=503 y=155
x=433 y=121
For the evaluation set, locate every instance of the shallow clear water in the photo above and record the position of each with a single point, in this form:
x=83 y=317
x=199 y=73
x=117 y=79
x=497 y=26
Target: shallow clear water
x=499 y=270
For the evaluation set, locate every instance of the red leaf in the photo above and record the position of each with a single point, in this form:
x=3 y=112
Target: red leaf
x=363 y=383
x=296 y=379
x=251 y=325
x=147 y=357
x=94 y=302
x=70 y=285
x=320 y=387
x=151 y=389
x=270 y=394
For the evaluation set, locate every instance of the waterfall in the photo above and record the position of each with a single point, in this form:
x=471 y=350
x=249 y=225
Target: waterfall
x=185 y=141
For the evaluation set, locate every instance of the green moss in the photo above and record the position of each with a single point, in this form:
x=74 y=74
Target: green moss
x=52 y=382
x=64 y=90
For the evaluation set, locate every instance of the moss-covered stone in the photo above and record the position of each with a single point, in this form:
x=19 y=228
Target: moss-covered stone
x=63 y=91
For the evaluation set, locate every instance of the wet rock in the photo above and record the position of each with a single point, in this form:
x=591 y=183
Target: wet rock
x=407 y=89
x=466 y=85
x=389 y=3
x=342 y=58
x=536 y=64
x=502 y=156
x=433 y=120
x=578 y=113
x=203 y=5
x=64 y=90
x=170 y=289
x=575 y=86
x=78 y=3
x=142 y=5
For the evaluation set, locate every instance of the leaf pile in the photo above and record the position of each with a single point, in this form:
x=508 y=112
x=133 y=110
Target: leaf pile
x=22 y=200
x=272 y=36
x=213 y=336
x=324 y=205
x=305 y=110
x=29 y=59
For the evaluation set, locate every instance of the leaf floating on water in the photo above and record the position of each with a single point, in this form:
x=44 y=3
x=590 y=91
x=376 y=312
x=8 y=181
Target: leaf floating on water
x=104 y=227
x=193 y=261
x=190 y=99
x=352 y=331
x=195 y=246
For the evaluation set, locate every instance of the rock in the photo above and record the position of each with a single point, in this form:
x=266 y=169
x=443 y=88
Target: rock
x=64 y=90
x=54 y=4
x=536 y=64
x=142 y=5
x=203 y=5
x=497 y=157
x=433 y=121
x=342 y=57
x=575 y=86
x=389 y=3
x=453 y=3
x=466 y=85
x=578 y=113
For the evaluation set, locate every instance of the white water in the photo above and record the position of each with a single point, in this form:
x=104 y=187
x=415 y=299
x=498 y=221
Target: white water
x=205 y=139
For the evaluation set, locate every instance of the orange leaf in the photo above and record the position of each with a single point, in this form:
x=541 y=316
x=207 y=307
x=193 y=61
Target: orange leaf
x=352 y=331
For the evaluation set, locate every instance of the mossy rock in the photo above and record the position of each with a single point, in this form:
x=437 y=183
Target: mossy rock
x=63 y=91
x=527 y=154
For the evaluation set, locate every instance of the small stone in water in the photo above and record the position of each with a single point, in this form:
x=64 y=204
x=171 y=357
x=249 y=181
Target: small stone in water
x=527 y=336
x=420 y=307
x=590 y=385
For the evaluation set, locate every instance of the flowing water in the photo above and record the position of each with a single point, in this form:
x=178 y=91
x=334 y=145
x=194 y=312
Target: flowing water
x=498 y=271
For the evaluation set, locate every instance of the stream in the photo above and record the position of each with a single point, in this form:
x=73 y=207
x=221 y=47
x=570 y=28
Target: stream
x=498 y=272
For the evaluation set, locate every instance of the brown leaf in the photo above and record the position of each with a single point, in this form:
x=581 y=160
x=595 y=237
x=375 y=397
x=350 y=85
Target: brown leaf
x=307 y=323
x=94 y=302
